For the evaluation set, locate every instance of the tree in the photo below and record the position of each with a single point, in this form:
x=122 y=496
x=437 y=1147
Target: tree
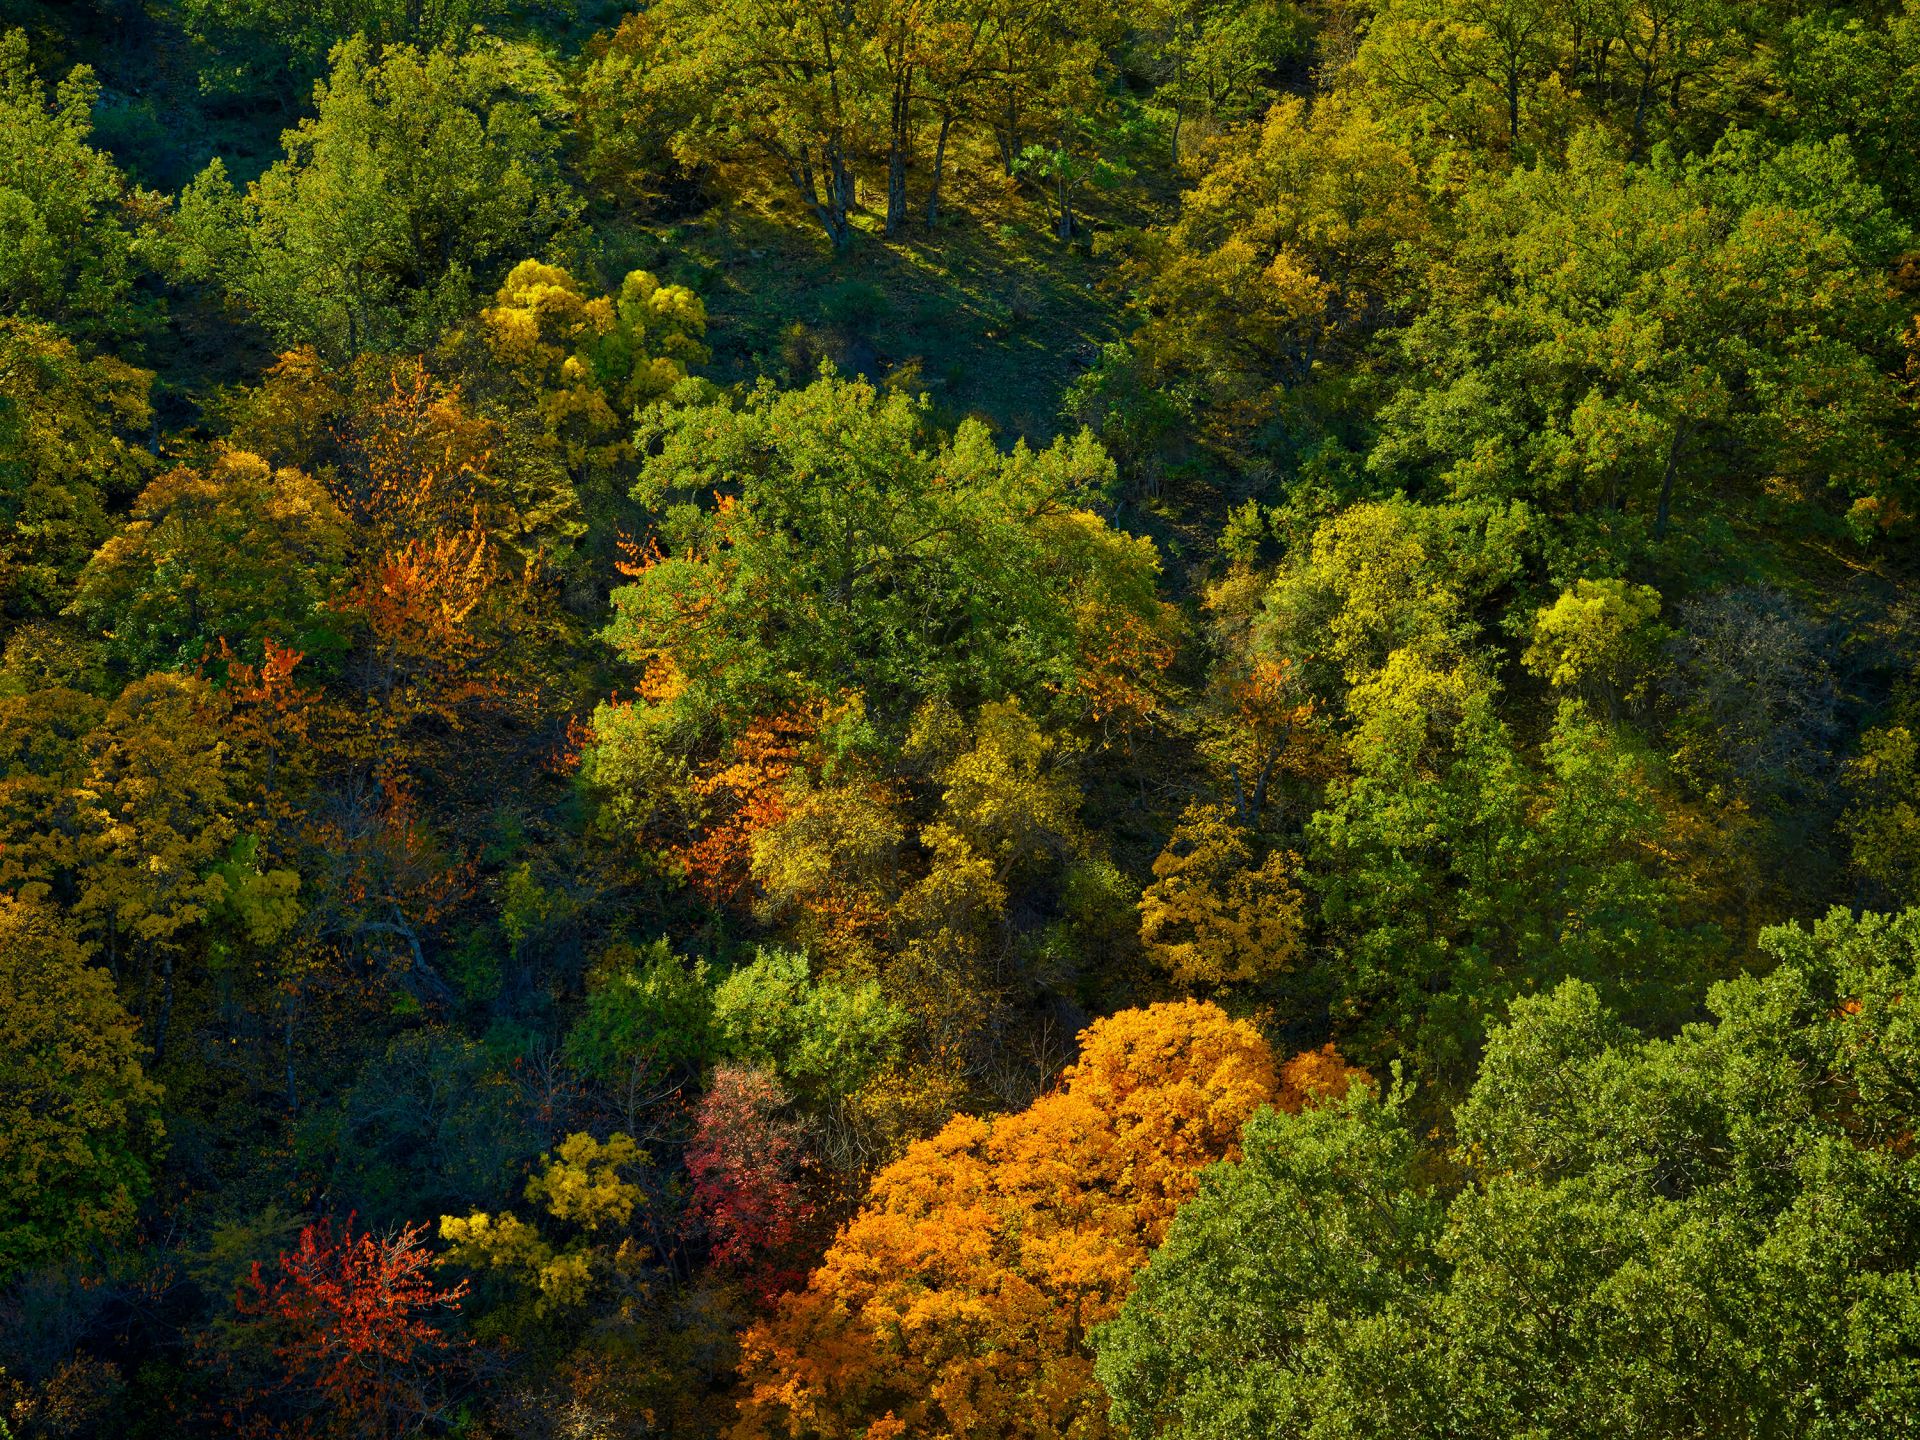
x=780 y=78
x=354 y=1323
x=1289 y=1289
x=1217 y=62
x=69 y=454
x=1455 y=875
x=1712 y=1231
x=254 y=34
x=846 y=547
x=823 y=1038
x=1211 y=916
x=79 y=1119
x=585 y=1245
x=422 y=176
x=746 y=1161
x=72 y=234
x=154 y=819
x=1609 y=331
x=1598 y=640
x=958 y=1299
x=649 y=1015
x=237 y=553
x=587 y=365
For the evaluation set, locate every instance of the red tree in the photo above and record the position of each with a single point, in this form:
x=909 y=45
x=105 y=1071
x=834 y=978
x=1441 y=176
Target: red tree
x=746 y=1162
x=352 y=1326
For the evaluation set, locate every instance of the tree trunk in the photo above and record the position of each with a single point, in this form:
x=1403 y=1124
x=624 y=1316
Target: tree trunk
x=839 y=200
x=901 y=136
x=166 y=1008
x=939 y=160
x=1663 y=512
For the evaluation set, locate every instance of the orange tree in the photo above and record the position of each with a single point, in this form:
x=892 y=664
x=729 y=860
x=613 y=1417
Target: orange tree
x=957 y=1301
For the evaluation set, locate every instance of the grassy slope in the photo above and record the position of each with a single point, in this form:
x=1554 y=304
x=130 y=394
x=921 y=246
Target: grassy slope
x=994 y=314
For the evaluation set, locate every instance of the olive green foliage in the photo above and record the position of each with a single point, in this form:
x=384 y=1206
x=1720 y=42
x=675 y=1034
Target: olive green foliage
x=69 y=428
x=242 y=554
x=79 y=1124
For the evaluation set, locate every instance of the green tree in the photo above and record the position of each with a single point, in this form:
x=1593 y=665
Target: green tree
x=282 y=42
x=238 y=552
x=1709 y=1234
x=649 y=1014
x=79 y=1123
x=420 y=179
x=1454 y=874
x=1619 y=343
x=72 y=234
x=846 y=544
x=780 y=79
x=824 y=1038
x=1598 y=640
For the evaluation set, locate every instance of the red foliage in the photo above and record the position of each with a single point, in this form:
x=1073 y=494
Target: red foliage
x=352 y=1324
x=746 y=1161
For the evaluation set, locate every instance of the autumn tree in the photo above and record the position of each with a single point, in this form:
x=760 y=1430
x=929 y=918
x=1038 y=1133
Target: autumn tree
x=79 y=1122
x=356 y=1324
x=747 y=1161
x=69 y=455
x=1598 y=640
x=586 y=364
x=958 y=1300
x=583 y=1243
x=1212 y=916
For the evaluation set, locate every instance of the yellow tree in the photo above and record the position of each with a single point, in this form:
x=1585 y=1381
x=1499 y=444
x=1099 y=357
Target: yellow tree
x=1214 y=917
x=585 y=363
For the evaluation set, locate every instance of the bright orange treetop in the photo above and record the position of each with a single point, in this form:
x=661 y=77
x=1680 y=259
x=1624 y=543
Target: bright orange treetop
x=957 y=1302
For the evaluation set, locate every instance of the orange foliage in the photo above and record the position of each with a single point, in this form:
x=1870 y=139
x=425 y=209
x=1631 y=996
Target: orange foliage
x=269 y=716
x=747 y=795
x=957 y=1302
x=1122 y=659
x=1314 y=1076
x=423 y=459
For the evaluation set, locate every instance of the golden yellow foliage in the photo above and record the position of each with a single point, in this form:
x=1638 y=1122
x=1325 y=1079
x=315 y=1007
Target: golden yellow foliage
x=1214 y=917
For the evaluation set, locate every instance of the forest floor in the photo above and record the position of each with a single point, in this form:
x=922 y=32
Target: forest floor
x=991 y=313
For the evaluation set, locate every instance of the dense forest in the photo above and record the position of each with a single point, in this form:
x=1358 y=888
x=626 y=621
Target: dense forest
x=999 y=719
